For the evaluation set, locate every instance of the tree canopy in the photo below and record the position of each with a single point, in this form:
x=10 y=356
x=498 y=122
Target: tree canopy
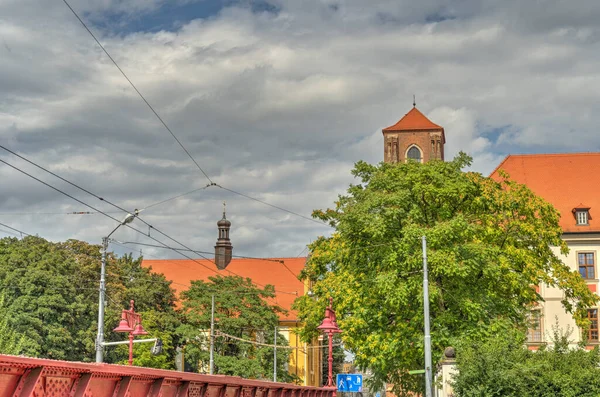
x=50 y=295
x=242 y=310
x=501 y=366
x=489 y=243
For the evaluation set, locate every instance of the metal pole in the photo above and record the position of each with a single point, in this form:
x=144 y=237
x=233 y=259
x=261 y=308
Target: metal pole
x=275 y=357
x=428 y=366
x=100 y=337
x=212 y=336
x=330 y=361
x=131 y=348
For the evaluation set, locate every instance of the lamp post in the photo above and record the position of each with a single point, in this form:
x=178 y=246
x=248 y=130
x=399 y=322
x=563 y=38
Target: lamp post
x=131 y=322
x=330 y=327
x=100 y=337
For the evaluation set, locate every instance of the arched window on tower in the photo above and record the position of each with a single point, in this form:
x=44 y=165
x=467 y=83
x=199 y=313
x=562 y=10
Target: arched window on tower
x=414 y=154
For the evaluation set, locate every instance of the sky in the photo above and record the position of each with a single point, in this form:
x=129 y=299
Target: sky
x=275 y=99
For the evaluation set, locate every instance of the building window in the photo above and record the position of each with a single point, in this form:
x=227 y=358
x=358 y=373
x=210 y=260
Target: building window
x=585 y=261
x=414 y=154
x=582 y=217
x=593 y=331
x=534 y=326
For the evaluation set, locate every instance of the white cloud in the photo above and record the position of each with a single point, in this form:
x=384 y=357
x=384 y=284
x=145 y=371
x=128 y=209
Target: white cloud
x=276 y=105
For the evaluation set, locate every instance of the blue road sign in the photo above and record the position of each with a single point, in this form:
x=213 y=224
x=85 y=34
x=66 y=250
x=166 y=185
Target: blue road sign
x=349 y=383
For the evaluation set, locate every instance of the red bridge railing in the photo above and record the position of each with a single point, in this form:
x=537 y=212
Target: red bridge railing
x=32 y=377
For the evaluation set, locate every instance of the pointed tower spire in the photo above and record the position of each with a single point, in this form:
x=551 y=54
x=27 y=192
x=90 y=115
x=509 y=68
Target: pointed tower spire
x=223 y=249
x=414 y=101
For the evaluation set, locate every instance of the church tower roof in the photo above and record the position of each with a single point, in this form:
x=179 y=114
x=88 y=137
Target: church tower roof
x=414 y=120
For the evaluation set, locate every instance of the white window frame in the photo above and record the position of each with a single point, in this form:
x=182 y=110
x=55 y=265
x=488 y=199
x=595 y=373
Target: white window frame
x=582 y=217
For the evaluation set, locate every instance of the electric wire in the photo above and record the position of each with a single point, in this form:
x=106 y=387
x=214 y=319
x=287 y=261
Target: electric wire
x=9 y=232
x=16 y=230
x=178 y=196
x=112 y=204
x=169 y=129
x=113 y=218
x=105 y=214
x=204 y=252
x=223 y=334
x=273 y=206
x=281 y=261
x=136 y=90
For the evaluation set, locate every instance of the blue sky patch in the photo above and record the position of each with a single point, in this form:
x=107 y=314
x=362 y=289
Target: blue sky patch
x=171 y=16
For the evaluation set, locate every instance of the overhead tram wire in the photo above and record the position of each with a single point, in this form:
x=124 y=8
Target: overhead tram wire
x=178 y=196
x=136 y=90
x=111 y=217
x=16 y=230
x=105 y=214
x=204 y=252
x=273 y=206
x=92 y=194
x=169 y=129
x=108 y=212
x=9 y=232
x=281 y=261
x=124 y=277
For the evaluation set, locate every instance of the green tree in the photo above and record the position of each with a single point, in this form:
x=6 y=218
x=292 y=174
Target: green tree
x=502 y=366
x=51 y=298
x=11 y=342
x=242 y=310
x=488 y=243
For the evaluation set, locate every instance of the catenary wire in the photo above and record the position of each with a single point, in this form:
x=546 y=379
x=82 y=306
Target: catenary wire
x=115 y=219
x=9 y=232
x=178 y=196
x=124 y=277
x=104 y=213
x=137 y=91
x=167 y=260
x=273 y=206
x=16 y=230
x=169 y=129
x=204 y=252
x=108 y=202
x=223 y=334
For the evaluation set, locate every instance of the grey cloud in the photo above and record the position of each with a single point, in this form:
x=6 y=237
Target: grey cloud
x=277 y=105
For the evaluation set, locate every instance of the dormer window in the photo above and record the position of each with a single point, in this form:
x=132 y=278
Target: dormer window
x=582 y=215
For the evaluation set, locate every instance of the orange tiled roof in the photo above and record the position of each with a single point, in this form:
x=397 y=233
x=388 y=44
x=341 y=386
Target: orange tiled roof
x=182 y=271
x=414 y=120
x=564 y=180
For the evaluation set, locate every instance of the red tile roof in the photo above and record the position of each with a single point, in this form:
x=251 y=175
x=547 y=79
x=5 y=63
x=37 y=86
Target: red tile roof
x=182 y=271
x=564 y=180
x=414 y=120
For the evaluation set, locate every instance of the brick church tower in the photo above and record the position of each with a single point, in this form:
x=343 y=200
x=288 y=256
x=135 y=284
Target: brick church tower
x=413 y=137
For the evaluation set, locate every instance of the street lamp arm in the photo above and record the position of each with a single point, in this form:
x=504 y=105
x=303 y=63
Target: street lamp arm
x=128 y=219
x=126 y=342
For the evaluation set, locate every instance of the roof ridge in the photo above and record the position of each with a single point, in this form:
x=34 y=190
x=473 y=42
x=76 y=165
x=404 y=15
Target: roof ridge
x=207 y=259
x=555 y=154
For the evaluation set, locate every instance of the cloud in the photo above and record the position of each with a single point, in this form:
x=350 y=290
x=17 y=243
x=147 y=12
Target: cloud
x=274 y=99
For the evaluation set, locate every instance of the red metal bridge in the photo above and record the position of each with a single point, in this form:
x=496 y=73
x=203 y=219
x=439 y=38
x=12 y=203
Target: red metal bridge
x=32 y=377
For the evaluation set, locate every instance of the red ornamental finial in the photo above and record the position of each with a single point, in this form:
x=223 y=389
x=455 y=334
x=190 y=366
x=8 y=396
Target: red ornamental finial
x=131 y=305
